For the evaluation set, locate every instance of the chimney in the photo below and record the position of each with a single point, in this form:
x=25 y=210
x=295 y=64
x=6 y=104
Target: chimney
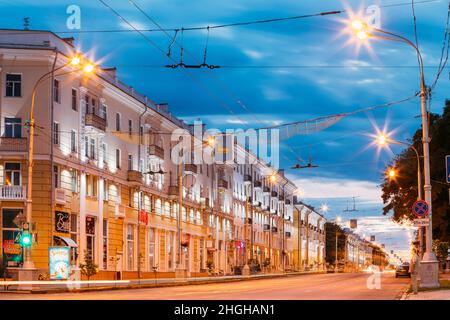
x=163 y=106
x=69 y=40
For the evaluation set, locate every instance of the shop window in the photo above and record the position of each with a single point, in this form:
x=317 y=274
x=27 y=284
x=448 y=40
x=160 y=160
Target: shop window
x=105 y=244
x=151 y=248
x=90 y=237
x=130 y=247
x=12 y=252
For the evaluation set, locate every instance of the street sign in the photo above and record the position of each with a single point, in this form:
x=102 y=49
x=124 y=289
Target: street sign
x=420 y=209
x=424 y=222
x=447 y=168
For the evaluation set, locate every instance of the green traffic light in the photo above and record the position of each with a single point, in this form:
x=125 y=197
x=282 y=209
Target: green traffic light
x=26 y=240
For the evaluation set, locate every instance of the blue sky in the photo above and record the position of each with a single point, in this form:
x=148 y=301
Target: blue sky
x=334 y=78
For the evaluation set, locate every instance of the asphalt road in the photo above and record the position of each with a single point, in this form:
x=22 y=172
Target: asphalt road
x=304 y=287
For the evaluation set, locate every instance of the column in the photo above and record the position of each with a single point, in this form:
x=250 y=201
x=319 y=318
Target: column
x=82 y=217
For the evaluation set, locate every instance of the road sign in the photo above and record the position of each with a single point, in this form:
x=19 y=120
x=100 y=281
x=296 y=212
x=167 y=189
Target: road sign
x=447 y=167
x=424 y=222
x=420 y=209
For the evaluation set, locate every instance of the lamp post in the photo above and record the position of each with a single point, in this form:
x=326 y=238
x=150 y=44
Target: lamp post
x=429 y=270
x=74 y=62
x=385 y=140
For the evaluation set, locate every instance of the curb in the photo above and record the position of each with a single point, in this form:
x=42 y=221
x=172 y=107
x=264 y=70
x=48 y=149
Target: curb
x=159 y=285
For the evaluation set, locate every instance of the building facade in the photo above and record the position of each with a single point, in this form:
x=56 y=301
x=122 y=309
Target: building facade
x=105 y=182
x=309 y=234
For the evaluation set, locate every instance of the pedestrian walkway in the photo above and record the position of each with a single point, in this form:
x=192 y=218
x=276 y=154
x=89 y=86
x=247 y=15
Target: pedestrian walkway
x=429 y=295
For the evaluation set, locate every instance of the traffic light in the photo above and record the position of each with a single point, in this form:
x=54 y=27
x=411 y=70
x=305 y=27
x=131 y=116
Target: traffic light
x=26 y=239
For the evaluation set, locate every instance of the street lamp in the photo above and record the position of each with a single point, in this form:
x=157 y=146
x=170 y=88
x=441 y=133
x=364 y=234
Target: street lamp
x=430 y=278
x=75 y=61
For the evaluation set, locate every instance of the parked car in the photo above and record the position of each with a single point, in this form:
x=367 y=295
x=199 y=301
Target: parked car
x=402 y=270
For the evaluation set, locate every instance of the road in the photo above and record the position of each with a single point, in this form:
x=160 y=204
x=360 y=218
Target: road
x=303 y=287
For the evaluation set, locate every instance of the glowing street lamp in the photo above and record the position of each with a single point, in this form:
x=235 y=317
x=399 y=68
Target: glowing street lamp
x=74 y=61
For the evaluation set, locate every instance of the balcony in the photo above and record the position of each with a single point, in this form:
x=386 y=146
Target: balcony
x=155 y=152
x=247 y=179
x=222 y=184
x=12 y=193
x=190 y=168
x=274 y=194
x=173 y=192
x=257 y=185
x=135 y=177
x=266 y=227
x=94 y=120
x=13 y=144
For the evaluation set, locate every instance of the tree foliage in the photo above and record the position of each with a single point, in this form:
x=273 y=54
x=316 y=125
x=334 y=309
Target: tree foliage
x=400 y=193
x=88 y=268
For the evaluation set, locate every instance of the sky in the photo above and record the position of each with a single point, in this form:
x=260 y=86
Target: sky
x=275 y=73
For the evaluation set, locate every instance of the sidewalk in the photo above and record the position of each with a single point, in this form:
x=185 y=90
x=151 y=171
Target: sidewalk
x=81 y=286
x=429 y=295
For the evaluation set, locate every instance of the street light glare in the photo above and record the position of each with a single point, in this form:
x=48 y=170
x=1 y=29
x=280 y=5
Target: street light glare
x=211 y=141
x=391 y=173
x=362 y=35
x=357 y=25
x=382 y=140
x=88 y=68
x=324 y=208
x=75 y=61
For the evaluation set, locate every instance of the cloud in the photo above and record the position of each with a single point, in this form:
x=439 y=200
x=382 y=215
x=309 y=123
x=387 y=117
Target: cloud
x=257 y=55
x=274 y=94
x=328 y=188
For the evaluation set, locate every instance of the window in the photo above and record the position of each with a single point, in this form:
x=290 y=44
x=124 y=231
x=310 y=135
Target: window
x=170 y=251
x=130 y=247
x=74 y=100
x=73 y=227
x=130 y=127
x=56 y=176
x=73 y=180
x=13 y=127
x=117 y=158
x=90 y=237
x=130 y=162
x=103 y=111
x=12 y=174
x=92 y=147
x=105 y=244
x=73 y=141
x=117 y=121
x=86 y=103
x=151 y=248
x=56 y=91
x=55 y=133
x=13 y=85
x=93 y=106
x=104 y=152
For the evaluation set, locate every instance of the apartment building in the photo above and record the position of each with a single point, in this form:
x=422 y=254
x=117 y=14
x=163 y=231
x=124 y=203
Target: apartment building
x=105 y=182
x=309 y=235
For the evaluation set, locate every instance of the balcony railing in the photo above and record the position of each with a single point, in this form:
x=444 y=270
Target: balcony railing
x=222 y=184
x=135 y=177
x=96 y=121
x=155 y=151
x=13 y=144
x=12 y=193
x=190 y=168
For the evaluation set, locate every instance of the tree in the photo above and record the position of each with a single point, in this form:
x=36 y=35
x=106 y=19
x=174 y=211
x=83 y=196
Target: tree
x=88 y=268
x=400 y=193
x=440 y=248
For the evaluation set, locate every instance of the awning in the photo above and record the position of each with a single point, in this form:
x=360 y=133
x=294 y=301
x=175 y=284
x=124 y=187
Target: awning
x=65 y=240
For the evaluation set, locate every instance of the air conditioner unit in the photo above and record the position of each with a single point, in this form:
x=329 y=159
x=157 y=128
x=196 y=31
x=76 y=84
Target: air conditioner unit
x=119 y=211
x=60 y=196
